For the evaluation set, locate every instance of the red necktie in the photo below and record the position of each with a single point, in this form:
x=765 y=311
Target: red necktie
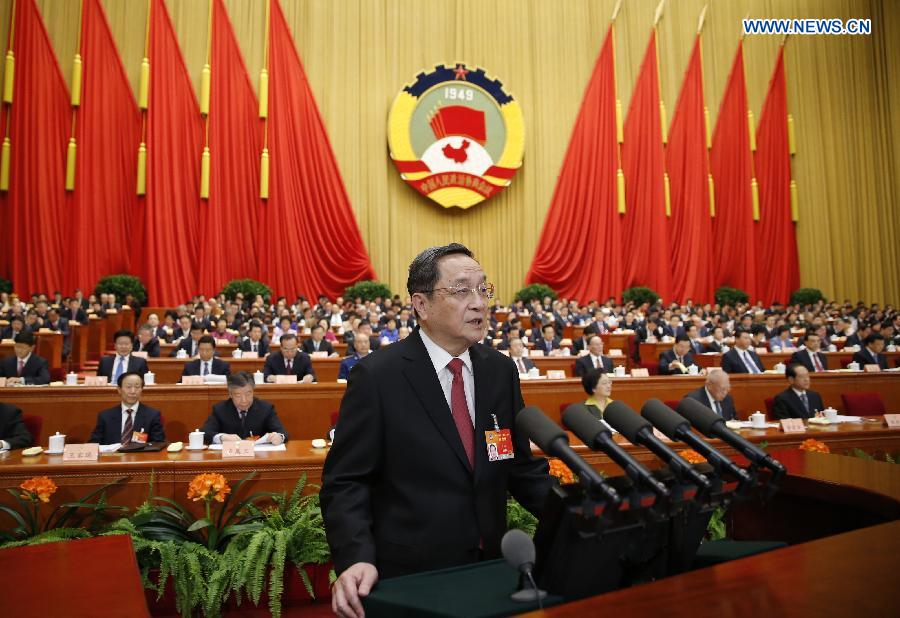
x=460 y=410
x=21 y=367
x=817 y=362
x=288 y=365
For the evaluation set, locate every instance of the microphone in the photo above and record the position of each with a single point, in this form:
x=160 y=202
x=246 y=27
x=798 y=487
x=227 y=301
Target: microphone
x=639 y=431
x=554 y=441
x=712 y=425
x=518 y=551
x=597 y=437
x=676 y=427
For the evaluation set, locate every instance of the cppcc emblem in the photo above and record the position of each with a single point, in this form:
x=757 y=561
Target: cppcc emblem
x=456 y=136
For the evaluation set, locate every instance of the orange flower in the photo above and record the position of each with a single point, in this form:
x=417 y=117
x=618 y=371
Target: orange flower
x=561 y=471
x=814 y=446
x=692 y=456
x=38 y=488
x=208 y=487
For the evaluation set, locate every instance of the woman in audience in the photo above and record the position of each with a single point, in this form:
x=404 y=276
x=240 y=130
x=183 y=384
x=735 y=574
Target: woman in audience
x=598 y=386
x=329 y=334
x=389 y=332
x=283 y=328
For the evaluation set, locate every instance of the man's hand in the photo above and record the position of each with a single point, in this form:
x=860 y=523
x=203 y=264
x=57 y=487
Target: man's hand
x=275 y=438
x=230 y=437
x=11 y=381
x=357 y=581
x=270 y=379
x=307 y=379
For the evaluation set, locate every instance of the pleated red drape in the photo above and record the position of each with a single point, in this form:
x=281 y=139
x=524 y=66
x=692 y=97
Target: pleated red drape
x=647 y=255
x=733 y=227
x=579 y=253
x=169 y=221
x=314 y=244
x=228 y=230
x=687 y=164
x=776 y=241
x=5 y=234
x=108 y=131
x=39 y=128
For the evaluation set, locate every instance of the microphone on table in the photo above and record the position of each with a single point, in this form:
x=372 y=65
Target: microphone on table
x=597 y=437
x=676 y=427
x=518 y=551
x=639 y=431
x=554 y=441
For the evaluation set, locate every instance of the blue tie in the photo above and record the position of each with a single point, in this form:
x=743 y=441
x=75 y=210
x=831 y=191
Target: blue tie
x=120 y=369
x=205 y=368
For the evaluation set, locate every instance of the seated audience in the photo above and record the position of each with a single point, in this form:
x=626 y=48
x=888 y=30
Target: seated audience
x=190 y=344
x=714 y=394
x=207 y=363
x=13 y=432
x=677 y=360
x=120 y=423
x=221 y=331
x=16 y=326
x=782 y=342
x=25 y=367
x=810 y=355
x=243 y=416
x=797 y=401
x=594 y=358
x=122 y=362
x=742 y=358
x=146 y=341
x=518 y=355
x=598 y=386
x=74 y=312
x=360 y=349
x=289 y=361
x=871 y=353
x=317 y=343
x=548 y=342
x=255 y=341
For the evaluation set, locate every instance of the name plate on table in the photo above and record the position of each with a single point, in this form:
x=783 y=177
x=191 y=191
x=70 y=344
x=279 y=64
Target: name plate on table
x=536 y=353
x=792 y=425
x=640 y=372
x=139 y=355
x=872 y=368
x=95 y=380
x=892 y=420
x=556 y=374
x=238 y=448
x=291 y=379
x=2 y=382
x=249 y=354
x=616 y=352
x=319 y=354
x=192 y=380
x=81 y=452
x=761 y=350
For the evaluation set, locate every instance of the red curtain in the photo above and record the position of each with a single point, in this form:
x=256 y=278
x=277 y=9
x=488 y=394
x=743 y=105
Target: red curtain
x=779 y=273
x=108 y=131
x=314 y=241
x=647 y=261
x=5 y=235
x=579 y=253
x=40 y=123
x=169 y=222
x=733 y=227
x=688 y=168
x=228 y=239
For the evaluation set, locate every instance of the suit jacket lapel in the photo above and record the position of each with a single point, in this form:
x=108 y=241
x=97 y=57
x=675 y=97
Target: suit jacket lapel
x=483 y=382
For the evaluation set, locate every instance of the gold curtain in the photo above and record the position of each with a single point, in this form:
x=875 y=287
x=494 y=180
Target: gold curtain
x=843 y=92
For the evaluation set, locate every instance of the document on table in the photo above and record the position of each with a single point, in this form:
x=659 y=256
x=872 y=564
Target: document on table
x=257 y=447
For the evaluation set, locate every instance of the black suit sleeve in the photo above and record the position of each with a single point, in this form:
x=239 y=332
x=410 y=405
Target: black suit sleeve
x=99 y=430
x=781 y=408
x=269 y=367
x=211 y=426
x=156 y=432
x=306 y=367
x=42 y=375
x=14 y=430
x=273 y=424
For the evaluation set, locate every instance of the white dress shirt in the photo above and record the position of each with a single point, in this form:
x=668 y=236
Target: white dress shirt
x=440 y=358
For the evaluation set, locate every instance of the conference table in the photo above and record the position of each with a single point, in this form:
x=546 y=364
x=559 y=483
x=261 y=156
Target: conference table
x=650 y=353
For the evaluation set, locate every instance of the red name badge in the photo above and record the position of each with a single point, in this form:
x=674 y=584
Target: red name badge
x=139 y=436
x=892 y=420
x=499 y=445
x=792 y=425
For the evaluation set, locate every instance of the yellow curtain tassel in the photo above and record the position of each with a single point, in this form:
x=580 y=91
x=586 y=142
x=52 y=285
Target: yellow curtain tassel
x=9 y=77
x=706 y=123
x=71 y=155
x=620 y=132
x=663 y=122
x=795 y=207
x=712 y=196
x=263 y=93
x=264 y=174
x=5 y=155
x=792 y=140
x=620 y=191
x=205 y=76
x=144 y=86
x=751 y=126
x=668 y=194
x=204 y=174
x=142 y=169
x=754 y=191
x=76 y=81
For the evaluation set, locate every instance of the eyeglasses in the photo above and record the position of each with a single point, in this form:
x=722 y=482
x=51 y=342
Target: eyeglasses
x=459 y=292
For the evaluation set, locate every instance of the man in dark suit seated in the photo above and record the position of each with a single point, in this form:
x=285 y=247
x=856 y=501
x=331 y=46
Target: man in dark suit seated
x=594 y=358
x=718 y=343
x=675 y=362
x=360 y=350
x=742 y=358
x=122 y=362
x=809 y=356
x=183 y=330
x=290 y=361
x=317 y=342
x=190 y=344
x=242 y=415
x=130 y=421
x=581 y=343
x=146 y=341
x=871 y=353
x=858 y=338
x=59 y=324
x=714 y=394
x=16 y=326
x=207 y=363
x=25 y=367
x=518 y=355
x=254 y=341
x=693 y=334
x=13 y=432
x=74 y=312
x=505 y=338
x=797 y=401
x=548 y=342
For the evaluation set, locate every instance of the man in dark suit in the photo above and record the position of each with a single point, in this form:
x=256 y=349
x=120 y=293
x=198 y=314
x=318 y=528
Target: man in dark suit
x=254 y=341
x=714 y=394
x=120 y=423
x=25 y=367
x=594 y=358
x=16 y=326
x=517 y=354
x=810 y=356
x=317 y=342
x=581 y=343
x=74 y=313
x=741 y=358
x=242 y=415
x=207 y=363
x=59 y=324
x=183 y=330
x=548 y=341
x=146 y=341
x=675 y=362
x=858 y=338
x=289 y=361
x=871 y=353
x=797 y=401
x=406 y=448
x=13 y=433
x=122 y=362
x=190 y=344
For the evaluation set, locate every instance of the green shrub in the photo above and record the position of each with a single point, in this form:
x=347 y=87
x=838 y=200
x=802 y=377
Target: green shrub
x=535 y=291
x=806 y=296
x=6 y=286
x=731 y=296
x=640 y=295
x=367 y=290
x=250 y=288
x=121 y=285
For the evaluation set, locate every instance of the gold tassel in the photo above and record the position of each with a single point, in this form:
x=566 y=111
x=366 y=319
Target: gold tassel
x=712 y=196
x=142 y=169
x=76 y=81
x=264 y=174
x=5 y=155
x=792 y=142
x=754 y=191
x=795 y=207
x=665 y=124
x=205 y=76
x=9 y=77
x=751 y=124
x=706 y=123
x=668 y=194
x=144 y=86
x=263 y=93
x=204 y=174
x=620 y=187
x=620 y=132
x=71 y=155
